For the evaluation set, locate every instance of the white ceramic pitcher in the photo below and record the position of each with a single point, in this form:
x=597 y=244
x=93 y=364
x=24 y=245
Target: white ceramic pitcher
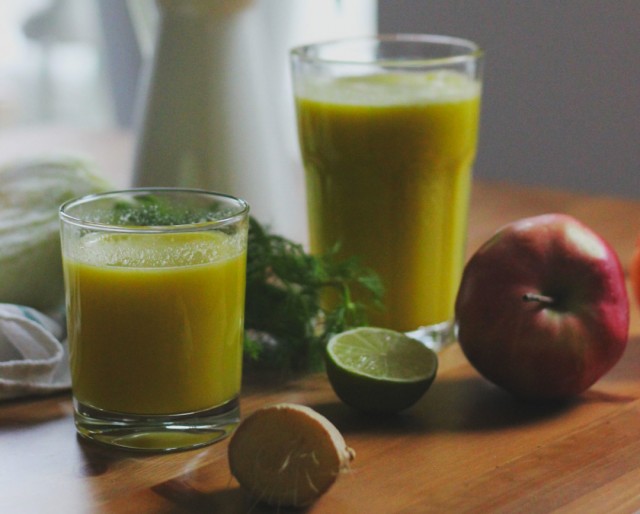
x=217 y=110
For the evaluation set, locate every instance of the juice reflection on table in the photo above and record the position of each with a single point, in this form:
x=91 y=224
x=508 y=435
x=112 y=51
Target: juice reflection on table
x=388 y=162
x=156 y=322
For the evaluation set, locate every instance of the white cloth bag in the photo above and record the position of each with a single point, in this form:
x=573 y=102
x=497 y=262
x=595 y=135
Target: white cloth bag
x=33 y=354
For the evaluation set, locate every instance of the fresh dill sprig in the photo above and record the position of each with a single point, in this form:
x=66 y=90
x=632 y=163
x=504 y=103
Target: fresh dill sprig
x=286 y=315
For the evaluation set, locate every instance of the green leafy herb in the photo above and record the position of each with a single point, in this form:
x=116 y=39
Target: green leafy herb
x=287 y=319
x=156 y=210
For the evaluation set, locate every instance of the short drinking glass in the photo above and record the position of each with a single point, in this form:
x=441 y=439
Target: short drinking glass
x=155 y=284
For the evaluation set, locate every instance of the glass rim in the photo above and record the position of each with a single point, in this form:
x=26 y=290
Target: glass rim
x=68 y=218
x=473 y=51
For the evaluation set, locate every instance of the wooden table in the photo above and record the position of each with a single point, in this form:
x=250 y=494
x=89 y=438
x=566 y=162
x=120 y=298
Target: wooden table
x=465 y=447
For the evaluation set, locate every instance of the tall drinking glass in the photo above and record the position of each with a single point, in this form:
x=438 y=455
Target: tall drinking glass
x=155 y=285
x=388 y=128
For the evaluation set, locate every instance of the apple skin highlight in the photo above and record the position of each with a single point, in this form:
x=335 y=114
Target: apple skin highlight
x=542 y=308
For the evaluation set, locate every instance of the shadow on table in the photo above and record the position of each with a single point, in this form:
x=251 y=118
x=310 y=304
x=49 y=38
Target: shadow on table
x=31 y=411
x=461 y=404
x=231 y=500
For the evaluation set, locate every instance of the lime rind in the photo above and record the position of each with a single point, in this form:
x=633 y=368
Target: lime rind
x=379 y=371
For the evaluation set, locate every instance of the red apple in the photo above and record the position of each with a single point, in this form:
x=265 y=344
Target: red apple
x=542 y=308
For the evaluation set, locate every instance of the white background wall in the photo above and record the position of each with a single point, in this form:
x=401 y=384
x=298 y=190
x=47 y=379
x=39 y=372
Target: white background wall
x=562 y=86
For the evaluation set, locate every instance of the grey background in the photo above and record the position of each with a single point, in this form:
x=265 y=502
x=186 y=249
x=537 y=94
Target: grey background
x=561 y=103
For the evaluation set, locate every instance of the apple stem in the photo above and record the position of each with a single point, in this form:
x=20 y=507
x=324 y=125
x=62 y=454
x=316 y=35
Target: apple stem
x=540 y=298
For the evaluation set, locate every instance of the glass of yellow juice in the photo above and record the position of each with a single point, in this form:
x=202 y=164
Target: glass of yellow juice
x=155 y=285
x=388 y=129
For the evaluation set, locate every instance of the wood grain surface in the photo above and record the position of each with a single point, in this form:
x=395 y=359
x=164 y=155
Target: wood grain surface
x=465 y=447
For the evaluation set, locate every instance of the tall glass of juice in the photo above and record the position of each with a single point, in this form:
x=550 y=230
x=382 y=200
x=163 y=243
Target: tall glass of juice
x=388 y=129
x=155 y=285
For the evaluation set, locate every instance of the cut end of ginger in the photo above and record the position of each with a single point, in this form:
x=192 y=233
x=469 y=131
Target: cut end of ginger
x=287 y=455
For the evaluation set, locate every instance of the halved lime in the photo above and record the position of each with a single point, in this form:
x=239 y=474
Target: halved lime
x=379 y=370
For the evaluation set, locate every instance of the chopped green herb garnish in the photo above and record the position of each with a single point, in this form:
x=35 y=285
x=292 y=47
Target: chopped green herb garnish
x=151 y=210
